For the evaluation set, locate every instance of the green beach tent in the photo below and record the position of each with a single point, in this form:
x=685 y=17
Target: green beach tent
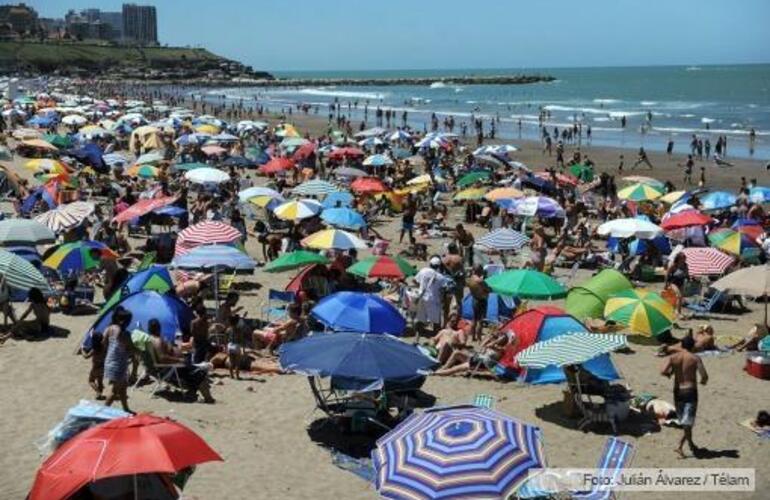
x=587 y=300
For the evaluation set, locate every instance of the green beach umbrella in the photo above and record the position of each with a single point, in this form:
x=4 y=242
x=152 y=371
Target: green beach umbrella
x=20 y=274
x=382 y=266
x=60 y=141
x=526 y=284
x=583 y=172
x=642 y=311
x=295 y=260
x=569 y=349
x=190 y=166
x=473 y=177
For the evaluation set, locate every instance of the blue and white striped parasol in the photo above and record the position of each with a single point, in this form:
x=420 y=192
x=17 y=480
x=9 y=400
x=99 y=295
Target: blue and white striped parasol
x=569 y=349
x=503 y=239
x=456 y=452
x=315 y=187
x=214 y=257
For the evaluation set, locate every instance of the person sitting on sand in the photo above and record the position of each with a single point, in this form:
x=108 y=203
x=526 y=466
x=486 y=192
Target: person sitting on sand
x=38 y=306
x=452 y=337
x=752 y=339
x=464 y=362
x=273 y=336
x=703 y=337
x=191 y=288
x=248 y=362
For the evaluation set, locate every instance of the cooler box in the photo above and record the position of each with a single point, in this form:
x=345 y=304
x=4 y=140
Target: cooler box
x=758 y=365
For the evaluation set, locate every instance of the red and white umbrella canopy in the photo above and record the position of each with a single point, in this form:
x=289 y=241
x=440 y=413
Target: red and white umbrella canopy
x=205 y=233
x=707 y=261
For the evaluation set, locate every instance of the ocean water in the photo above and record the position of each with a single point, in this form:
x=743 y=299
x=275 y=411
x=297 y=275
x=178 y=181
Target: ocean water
x=707 y=101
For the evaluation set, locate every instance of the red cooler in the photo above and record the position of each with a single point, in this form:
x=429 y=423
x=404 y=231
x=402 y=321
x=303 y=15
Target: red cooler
x=758 y=365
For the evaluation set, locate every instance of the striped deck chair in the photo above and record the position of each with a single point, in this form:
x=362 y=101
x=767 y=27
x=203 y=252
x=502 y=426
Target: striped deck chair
x=484 y=401
x=616 y=456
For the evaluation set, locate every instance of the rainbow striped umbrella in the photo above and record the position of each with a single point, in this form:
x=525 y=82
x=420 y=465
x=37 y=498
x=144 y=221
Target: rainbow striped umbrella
x=456 y=452
x=70 y=258
x=333 y=238
x=382 y=266
x=47 y=166
x=734 y=242
x=642 y=311
x=640 y=192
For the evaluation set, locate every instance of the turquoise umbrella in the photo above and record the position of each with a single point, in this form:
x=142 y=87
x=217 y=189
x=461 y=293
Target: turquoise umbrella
x=20 y=274
x=569 y=349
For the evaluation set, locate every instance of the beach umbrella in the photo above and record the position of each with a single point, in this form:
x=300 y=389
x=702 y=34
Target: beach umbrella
x=340 y=154
x=371 y=142
x=642 y=311
x=74 y=120
x=154 y=278
x=214 y=150
x=47 y=166
x=343 y=217
x=173 y=314
x=333 y=238
x=360 y=361
x=470 y=194
x=759 y=194
x=276 y=165
x=432 y=142
x=74 y=258
x=238 y=162
x=641 y=179
x=18 y=273
x=214 y=258
x=224 y=137
x=207 y=175
x=150 y=158
x=206 y=233
x=315 y=187
x=503 y=239
x=584 y=173
x=377 y=160
x=526 y=284
x=400 y=135
x=456 y=453
x=368 y=185
x=295 y=260
x=359 y=312
x=753 y=281
x=337 y=199
x=473 y=177
x=640 y=192
x=195 y=138
x=639 y=247
x=296 y=210
x=734 y=242
x=60 y=141
x=630 y=227
x=382 y=266
x=24 y=232
x=717 y=200
x=130 y=446
x=257 y=192
x=540 y=206
x=684 y=219
x=420 y=179
x=207 y=128
x=749 y=227
x=287 y=130
x=672 y=197
x=65 y=217
x=569 y=349
x=185 y=167
x=142 y=207
x=502 y=193
x=707 y=261
x=145 y=171
x=349 y=172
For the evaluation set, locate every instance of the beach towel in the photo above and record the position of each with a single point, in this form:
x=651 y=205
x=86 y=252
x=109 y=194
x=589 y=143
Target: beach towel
x=80 y=417
x=361 y=467
x=715 y=353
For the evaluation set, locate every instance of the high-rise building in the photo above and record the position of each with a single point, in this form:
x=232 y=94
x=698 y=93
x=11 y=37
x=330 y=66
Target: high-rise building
x=94 y=24
x=140 y=24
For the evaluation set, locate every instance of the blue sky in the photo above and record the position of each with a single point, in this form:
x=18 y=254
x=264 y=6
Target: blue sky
x=442 y=34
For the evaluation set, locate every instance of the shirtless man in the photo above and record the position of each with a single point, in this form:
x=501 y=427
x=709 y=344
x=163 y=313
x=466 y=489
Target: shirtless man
x=685 y=367
x=466 y=241
x=453 y=265
x=480 y=292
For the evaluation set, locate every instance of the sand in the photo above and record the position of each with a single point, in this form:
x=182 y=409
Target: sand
x=260 y=425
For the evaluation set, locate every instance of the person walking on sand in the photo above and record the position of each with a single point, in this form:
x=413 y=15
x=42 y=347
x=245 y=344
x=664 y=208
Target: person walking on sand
x=685 y=367
x=642 y=158
x=119 y=349
x=688 y=166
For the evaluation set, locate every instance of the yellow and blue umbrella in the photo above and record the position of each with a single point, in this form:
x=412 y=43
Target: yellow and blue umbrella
x=47 y=166
x=642 y=311
x=297 y=209
x=456 y=452
x=72 y=258
x=333 y=238
x=640 y=192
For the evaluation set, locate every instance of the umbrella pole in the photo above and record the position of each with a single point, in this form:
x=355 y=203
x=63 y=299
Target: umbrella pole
x=216 y=287
x=136 y=488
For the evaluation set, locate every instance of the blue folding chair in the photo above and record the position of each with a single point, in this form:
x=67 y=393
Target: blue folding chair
x=716 y=302
x=277 y=305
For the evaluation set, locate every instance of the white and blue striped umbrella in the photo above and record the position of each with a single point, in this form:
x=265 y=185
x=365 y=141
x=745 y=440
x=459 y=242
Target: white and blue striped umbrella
x=400 y=135
x=759 y=194
x=569 y=349
x=541 y=206
x=456 y=452
x=256 y=191
x=215 y=257
x=378 y=161
x=717 y=200
x=315 y=187
x=503 y=239
x=24 y=232
x=20 y=274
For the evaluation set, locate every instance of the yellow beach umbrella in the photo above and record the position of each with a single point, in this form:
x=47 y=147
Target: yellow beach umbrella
x=411 y=189
x=333 y=239
x=288 y=130
x=47 y=165
x=672 y=197
x=207 y=128
x=503 y=193
x=639 y=192
x=297 y=209
x=471 y=194
x=642 y=311
x=420 y=179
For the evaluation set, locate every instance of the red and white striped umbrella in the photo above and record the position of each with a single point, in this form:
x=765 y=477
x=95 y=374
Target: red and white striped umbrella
x=205 y=233
x=707 y=261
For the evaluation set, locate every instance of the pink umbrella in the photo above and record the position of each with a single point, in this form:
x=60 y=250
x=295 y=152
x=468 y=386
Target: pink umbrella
x=707 y=261
x=205 y=233
x=214 y=150
x=142 y=207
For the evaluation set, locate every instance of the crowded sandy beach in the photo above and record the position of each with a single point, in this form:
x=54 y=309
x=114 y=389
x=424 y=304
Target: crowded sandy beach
x=188 y=264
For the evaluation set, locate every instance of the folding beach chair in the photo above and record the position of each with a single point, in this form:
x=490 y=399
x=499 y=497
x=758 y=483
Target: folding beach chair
x=163 y=374
x=616 y=456
x=484 y=401
x=226 y=284
x=271 y=312
x=716 y=302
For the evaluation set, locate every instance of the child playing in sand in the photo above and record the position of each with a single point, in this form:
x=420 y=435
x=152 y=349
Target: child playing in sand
x=234 y=346
x=97 y=355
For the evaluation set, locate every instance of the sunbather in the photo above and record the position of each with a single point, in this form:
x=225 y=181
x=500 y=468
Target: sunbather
x=465 y=362
x=752 y=339
x=703 y=337
x=273 y=336
x=453 y=336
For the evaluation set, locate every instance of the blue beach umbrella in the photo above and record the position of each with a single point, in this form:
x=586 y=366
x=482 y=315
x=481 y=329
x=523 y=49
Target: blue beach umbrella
x=358 y=360
x=456 y=452
x=155 y=278
x=717 y=200
x=378 y=161
x=759 y=194
x=343 y=217
x=359 y=312
x=213 y=258
x=170 y=211
x=338 y=199
x=173 y=314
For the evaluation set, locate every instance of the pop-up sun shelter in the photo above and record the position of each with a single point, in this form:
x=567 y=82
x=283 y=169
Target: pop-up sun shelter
x=587 y=300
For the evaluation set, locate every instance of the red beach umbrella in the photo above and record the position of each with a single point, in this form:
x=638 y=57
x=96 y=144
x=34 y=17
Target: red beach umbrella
x=143 y=207
x=686 y=218
x=303 y=152
x=342 y=153
x=205 y=233
x=368 y=185
x=143 y=444
x=707 y=261
x=276 y=165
